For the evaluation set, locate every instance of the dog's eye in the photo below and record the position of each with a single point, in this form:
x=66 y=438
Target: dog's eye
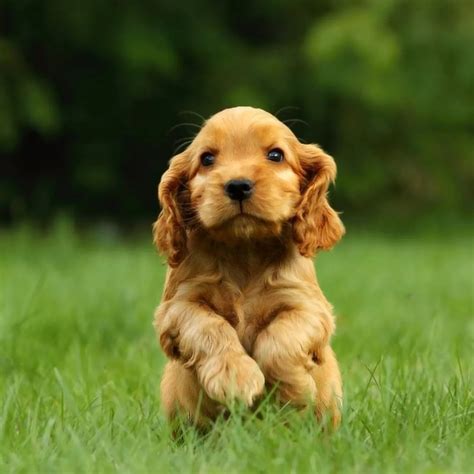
x=207 y=159
x=276 y=155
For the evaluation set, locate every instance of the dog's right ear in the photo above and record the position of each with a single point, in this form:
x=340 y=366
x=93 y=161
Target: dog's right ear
x=169 y=232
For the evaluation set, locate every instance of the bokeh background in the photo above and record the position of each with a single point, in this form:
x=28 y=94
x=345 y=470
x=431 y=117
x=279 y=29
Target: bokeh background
x=96 y=96
x=91 y=93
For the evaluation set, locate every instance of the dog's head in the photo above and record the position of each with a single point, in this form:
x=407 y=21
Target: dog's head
x=245 y=176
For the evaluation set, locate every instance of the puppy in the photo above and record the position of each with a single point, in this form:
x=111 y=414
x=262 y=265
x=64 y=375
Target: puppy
x=244 y=208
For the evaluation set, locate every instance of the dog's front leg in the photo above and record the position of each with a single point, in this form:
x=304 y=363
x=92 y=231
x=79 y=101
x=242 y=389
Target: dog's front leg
x=289 y=348
x=204 y=341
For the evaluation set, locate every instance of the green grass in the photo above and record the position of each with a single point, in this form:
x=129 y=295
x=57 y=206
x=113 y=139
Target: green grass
x=80 y=367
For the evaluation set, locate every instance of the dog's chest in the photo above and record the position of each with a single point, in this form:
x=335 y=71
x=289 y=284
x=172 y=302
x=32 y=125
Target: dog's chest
x=243 y=308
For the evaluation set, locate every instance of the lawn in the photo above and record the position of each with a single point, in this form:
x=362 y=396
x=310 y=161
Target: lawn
x=80 y=366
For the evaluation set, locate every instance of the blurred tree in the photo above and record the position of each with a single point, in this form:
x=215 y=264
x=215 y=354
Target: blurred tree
x=90 y=92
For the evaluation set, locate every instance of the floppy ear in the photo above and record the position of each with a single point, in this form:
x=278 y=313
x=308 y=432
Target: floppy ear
x=169 y=232
x=316 y=224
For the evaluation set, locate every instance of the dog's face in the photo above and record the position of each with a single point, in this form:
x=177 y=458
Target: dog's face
x=246 y=179
x=244 y=176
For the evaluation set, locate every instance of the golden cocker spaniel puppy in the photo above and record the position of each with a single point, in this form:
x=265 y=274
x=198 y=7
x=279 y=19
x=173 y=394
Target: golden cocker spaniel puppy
x=244 y=208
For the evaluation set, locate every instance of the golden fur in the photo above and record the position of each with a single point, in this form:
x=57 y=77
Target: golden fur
x=241 y=306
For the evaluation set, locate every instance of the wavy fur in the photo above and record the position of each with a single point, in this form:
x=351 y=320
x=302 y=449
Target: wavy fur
x=242 y=308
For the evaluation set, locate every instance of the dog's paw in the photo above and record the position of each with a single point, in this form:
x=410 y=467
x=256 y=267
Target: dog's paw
x=230 y=377
x=290 y=369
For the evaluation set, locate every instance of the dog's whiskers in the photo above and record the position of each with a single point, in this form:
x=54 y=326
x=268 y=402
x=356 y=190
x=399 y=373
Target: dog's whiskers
x=184 y=139
x=192 y=112
x=287 y=107
x=295 y=120
x=183 y=144
x=184 y=124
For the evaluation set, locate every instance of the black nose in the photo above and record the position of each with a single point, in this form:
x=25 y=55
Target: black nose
x=239 y=189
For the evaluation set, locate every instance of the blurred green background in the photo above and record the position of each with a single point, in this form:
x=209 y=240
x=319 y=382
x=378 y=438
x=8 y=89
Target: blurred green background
x=91 y=91
x=92 y=97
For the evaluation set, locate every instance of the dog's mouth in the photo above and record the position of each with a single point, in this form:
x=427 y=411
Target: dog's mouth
x=244 y=212
x=241 y=219
x=245 y=208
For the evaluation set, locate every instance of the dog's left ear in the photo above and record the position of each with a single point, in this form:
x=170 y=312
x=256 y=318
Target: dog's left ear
x=316 y=224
